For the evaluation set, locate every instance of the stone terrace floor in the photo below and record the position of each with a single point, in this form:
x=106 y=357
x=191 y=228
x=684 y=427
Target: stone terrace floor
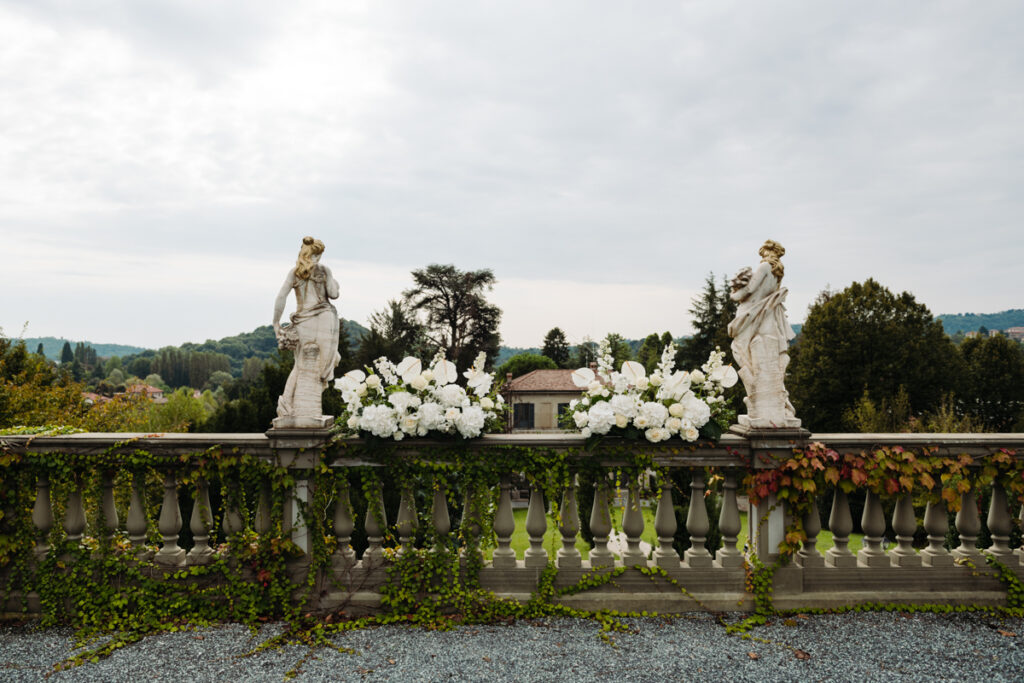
x=852 y=647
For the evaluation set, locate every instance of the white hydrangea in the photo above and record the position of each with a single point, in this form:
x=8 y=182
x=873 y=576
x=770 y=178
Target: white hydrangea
x=431 y=416
x=654 y=414
x=601 y=418
x=451 y=395
x=624 y=404
x=403 y=401
x=470 y=421
x=379 y=420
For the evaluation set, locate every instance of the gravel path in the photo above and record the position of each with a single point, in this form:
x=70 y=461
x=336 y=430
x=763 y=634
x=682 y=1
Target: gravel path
x=860 y=647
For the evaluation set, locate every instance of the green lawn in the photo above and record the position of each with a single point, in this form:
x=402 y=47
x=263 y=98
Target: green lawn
x=553 y=539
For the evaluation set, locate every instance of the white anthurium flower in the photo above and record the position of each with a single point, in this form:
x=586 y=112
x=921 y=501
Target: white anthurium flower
x=725 y=375
x=583 y=377
x=633 y=372
x=350 y=380
x=445 y=372
x=409 y=369
x=676 y=384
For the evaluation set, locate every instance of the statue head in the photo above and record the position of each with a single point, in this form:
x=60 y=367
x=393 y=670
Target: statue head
x=772 y=252
x=309 y=256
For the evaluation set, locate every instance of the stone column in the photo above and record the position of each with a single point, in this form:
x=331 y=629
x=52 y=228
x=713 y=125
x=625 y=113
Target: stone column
x=504 y=526
x=697 y=523
x=840 y=523
x=665 y=526
x=536 y=526
x=601 y=525
x=568 y=556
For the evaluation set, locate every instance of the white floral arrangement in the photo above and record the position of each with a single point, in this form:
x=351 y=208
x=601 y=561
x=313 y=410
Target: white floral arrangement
x=405 y=400
x=668 y=403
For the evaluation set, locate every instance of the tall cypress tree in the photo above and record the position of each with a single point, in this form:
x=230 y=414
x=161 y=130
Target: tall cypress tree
x=66 y=354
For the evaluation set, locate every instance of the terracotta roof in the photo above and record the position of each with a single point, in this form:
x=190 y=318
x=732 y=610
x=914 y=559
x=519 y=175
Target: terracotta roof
x=544 y=380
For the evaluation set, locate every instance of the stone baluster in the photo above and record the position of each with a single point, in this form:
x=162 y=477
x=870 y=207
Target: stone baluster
x=633 y=526
x=697 y=524
x=808 y=555
x=232 y=522
x=201 y=525
x=568 y=555
x=536 y=526
x=136 y=523
x=504 y=526
x=406 y=525
x=74 y=515
x=601 y=525
x=375 y=523
x=999 y=524
x=170 y=554
x=344 y=556
x=730 y=525
x=1020 y=550
x=108 y=512
x=665 y=526
x=968 y=524
x=439 y=515
x=470 y=527
x=264 y=522
x=936 y=523
x=904 y=523
x=42 y=516
x=873 y=524
x=840 y=523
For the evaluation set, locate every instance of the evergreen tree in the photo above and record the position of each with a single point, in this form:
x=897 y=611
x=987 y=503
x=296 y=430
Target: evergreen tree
x=40 y=351
x=993 y=385
x=347 y=360
x=394 y=333
x=556 y=347
x=522 y=363
x=619 y=349
x=711 y=313
x=456 y=316
x=66 y=354
x=585 y=354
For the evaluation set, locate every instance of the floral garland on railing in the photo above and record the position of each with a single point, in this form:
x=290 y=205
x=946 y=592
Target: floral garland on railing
x=668 y=403
x=405 y=400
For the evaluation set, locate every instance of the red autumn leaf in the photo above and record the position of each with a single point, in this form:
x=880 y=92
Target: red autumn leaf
x=892 y=486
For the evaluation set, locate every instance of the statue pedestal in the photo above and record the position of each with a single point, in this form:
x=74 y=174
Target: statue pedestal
x=303 y=422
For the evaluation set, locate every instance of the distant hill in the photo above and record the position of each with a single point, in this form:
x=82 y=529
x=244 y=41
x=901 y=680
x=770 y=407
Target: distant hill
x=970 y=322
x=52 y=347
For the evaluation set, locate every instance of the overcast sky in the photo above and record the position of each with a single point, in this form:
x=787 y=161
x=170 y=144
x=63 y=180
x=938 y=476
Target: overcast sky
x=160 y=161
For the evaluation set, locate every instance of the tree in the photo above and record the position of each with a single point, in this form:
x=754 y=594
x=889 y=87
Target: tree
x=649 y=353
x=993 y=384
x=522 y=363
x=711 y=313
x=619 y=349
x=39 y=350
x=346 y=360
x=556 y=347
x=394 y=333
x=866 y=338
x=66 y=354
x=586 y=353
x=455 y=314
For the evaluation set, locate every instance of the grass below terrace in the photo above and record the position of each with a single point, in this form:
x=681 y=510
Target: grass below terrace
x=553 y=539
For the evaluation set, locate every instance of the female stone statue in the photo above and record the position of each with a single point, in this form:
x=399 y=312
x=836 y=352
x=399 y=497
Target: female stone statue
x=760 y=340
x=312 y=335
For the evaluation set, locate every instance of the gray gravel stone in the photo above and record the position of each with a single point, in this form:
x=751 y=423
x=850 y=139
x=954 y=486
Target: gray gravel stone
x=858 y=646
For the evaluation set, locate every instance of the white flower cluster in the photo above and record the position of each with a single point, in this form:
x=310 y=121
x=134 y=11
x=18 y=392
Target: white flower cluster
x=404 y=400
x=668 y=403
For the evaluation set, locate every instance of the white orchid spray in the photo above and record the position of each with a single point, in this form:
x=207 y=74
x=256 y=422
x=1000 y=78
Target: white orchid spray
x=668 y=403
x=406 y=400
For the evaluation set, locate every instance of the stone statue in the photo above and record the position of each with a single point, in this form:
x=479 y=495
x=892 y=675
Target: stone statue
x=312 y=335
x=760 y=341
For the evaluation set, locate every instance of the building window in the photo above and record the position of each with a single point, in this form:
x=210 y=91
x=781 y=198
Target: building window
x=563 y=409
x=522 y=416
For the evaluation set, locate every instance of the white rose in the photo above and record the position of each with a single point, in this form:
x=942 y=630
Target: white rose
x=641 y=422
x=419 y=382
x=621 y=421
x=580 y=419
x=673 y=424
x=642 y=383
x=353 y=422
x=585 y=401
x=409 y=424
x=690 y=434
x=452 y=414
x=486 y=403
x=676 y=410
x=656 y=379
x=586 y=433
x=373 y=381
x=696 y=377
x=399 y=436
x=361 y=390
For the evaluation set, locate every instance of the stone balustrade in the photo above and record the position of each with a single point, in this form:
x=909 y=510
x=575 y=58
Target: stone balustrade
x=713 y=578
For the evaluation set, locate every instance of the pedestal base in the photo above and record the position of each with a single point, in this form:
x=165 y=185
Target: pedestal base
x=303 y=422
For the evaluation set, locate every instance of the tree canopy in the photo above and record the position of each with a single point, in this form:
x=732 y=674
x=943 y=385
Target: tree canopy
x=455 y=313
x=867 y=339
x=523 y=363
